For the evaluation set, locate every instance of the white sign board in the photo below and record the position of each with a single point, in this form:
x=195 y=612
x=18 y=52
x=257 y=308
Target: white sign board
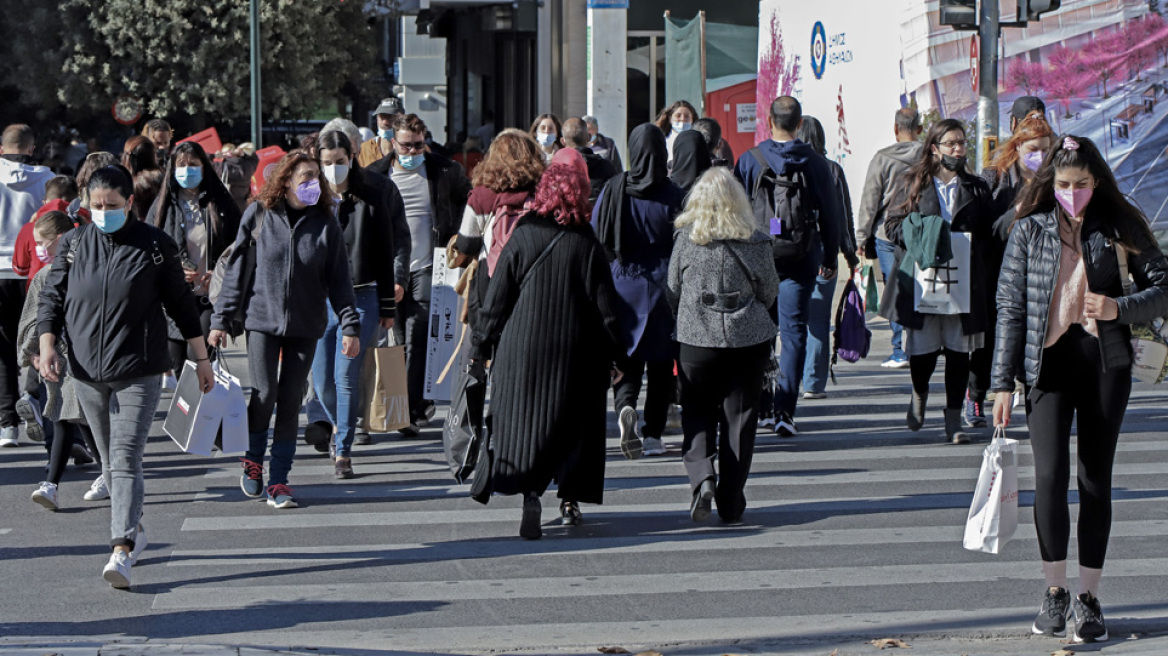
x=446 y=331
x=746 y=117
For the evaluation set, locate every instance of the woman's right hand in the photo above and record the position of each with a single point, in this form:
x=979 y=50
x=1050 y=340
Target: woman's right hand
x=50 y=366
x=217 y=338
x=1003 y=406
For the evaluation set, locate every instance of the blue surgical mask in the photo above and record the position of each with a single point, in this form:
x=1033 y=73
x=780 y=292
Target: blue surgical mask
x=385 y=134
x=545 y=139
x=411 y=162
x=679 y=126
x=108 y=221
x=188 y=177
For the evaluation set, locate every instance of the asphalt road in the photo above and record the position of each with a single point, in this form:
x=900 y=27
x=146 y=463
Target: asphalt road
x=853 y=532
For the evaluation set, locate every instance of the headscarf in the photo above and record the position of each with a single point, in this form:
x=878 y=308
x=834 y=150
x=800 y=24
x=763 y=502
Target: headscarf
x=570 y=157
x=691 y=158
x=646 y=174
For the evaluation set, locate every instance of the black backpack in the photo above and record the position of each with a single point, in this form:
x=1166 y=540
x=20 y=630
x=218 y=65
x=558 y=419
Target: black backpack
x=788 y=198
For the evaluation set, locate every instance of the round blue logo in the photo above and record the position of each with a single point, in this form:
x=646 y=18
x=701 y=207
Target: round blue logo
x=818 y=50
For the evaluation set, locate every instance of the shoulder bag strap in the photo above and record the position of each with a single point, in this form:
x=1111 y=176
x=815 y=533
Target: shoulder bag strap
x=1124 y=275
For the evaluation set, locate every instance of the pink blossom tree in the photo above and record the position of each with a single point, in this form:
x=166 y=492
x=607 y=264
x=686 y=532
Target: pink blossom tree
x=1066 y=80
x=1026 y=76
x=1103 y=57
x=777 y=74
x=1139 y=46
x=1157 y=29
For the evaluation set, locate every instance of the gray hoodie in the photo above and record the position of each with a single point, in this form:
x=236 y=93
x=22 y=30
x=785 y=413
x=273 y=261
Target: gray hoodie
x=22 y=192
x=880 y=187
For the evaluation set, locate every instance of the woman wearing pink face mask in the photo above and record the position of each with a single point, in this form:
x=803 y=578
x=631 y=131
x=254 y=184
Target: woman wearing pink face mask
x=1063 y=324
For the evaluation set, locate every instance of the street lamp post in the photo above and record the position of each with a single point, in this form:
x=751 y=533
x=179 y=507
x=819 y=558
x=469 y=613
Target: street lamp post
x=257 y=133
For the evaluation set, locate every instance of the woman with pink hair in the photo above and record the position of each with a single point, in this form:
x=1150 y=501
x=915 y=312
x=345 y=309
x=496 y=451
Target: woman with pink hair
x=550 y=328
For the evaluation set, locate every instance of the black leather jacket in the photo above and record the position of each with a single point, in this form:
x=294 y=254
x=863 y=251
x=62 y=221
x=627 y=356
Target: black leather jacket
x=1030 y=272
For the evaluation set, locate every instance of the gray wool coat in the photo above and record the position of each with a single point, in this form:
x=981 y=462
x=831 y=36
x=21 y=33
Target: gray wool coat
x=721 y=292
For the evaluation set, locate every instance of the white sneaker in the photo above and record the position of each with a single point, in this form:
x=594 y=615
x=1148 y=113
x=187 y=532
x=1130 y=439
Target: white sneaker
x=117 y=570
x=140 y=543
x=674 y=420
x=98 y=490
x=653 y=446
x=169 y=383
x=46 y=495
x=9 y=436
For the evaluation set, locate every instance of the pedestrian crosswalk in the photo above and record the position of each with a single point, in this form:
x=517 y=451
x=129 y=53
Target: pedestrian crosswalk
x=852 y=529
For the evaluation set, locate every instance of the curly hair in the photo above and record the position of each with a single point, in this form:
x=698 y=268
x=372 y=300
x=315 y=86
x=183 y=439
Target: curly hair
x=563 y=195
x=513 y=163
x=274 y=186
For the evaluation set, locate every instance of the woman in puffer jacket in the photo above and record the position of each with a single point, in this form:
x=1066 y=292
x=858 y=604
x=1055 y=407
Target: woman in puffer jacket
x=1064 y=326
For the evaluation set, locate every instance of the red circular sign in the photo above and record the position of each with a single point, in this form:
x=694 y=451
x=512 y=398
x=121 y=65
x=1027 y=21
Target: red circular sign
x=126 y=110
x=974 y=77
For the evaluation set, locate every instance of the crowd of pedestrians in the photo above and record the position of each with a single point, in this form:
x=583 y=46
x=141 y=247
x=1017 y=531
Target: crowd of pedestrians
x=704 y=280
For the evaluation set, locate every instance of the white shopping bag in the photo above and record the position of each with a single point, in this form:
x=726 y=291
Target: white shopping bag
x=993 y=515
x=193 y=418
x=234 y=438
x=944 y=289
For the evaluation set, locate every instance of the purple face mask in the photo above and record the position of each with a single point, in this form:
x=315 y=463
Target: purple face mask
x=1033 y=160
x=1074 y=201
x=308 y=192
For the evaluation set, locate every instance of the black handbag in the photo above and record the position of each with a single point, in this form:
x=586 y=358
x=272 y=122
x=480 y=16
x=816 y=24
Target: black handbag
x=462 y=432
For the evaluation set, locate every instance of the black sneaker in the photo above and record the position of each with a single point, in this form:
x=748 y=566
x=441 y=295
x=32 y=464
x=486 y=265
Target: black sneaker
x=252 y=481
x=1089 y=625
x=362 y=437
x=1052 y=615
x=318 y=433
x=785 y=425
x=570 y=514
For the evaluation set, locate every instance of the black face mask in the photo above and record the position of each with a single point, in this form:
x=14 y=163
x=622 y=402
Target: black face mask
x=953 y=163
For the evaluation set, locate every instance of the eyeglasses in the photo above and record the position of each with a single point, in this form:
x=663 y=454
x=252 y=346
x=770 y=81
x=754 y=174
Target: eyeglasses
x=412 y=145
x=953 y=144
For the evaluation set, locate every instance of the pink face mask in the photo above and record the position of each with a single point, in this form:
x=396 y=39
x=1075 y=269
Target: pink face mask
x=1074 y=201
x=44 y=255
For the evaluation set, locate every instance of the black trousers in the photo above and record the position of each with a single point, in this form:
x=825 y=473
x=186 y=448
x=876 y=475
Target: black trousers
x=657 y=397
x=921 y=367
x=179 y=351
x=11 y=306
x=65 y=435
x=1072 y=382
x=279 y=368
x=981 y=362
x=721 y=387
x=411 y=328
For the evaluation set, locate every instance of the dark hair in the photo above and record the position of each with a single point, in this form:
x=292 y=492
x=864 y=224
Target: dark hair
x=555 y=120
x=665 y=118
x=409 y=123
x=274 y=186
x=61 y=187
x=51 y=225
x=115 y=178
x=811 y=133
x=93 y=162
x=146 y=187
x=908 y=120
x=1108 y=204
x=786 y=112
x=920 y=175
x=576 y=133
x=138 y=155
x=710 y=131
x=156 y=125
x=337 y=139
x=210 y=184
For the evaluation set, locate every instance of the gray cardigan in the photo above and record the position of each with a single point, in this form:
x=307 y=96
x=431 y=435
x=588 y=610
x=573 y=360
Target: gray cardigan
x=721 y=292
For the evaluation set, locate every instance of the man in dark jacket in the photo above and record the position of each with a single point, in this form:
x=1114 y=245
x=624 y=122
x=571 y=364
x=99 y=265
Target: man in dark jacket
x=602 y=145
x=786 y=156
x=600 y=170
x=434 y=190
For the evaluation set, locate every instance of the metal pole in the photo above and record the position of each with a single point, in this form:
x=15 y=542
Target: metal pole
x=257 y=134
x=987 y=102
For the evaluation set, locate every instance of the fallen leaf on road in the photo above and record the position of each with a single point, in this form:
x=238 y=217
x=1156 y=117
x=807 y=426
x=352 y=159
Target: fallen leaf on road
x=613 y=650
x=890 y=643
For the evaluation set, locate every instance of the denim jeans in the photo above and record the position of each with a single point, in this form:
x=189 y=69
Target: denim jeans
x=336 y=379
x=796 y=283
x=818 y=359
x=886 y=254
x=120 y=414
x=279 y=368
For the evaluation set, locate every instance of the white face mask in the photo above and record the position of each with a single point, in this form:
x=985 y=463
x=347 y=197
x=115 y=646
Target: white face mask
x=336 y=173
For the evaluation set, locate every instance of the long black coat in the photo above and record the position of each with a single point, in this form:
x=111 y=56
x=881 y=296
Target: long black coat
x=553 y=333
x=973 y=213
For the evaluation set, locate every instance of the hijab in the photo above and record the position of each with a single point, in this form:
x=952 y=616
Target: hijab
x=691 y=158
x=646 y=174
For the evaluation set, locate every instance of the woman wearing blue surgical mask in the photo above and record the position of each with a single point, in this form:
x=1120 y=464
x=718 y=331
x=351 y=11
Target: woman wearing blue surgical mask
x=677 y=118
x=197 y=211
x=284 y=293
x=547 y=130
x=110 y=283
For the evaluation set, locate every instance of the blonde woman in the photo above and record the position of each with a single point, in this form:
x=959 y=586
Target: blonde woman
x=722 y=279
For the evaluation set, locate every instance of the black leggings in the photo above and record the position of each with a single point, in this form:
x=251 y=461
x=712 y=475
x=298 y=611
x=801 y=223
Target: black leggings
x=1072 y=381
x=657 y=397
x=956 y=375
x=179 y=351
x=65 y=435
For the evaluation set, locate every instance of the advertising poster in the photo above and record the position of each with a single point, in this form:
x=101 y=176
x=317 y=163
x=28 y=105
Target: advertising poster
x=444 y=354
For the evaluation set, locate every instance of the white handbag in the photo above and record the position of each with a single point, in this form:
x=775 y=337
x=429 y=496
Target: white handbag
x=235 y=435
x=993 y=514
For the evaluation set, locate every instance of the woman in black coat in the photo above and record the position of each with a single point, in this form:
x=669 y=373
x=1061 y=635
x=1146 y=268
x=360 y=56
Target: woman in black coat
x=550 y=326
x=198 y=213
x=938 y=185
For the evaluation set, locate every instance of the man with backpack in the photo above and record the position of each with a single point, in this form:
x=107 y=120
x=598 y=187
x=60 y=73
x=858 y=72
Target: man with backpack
x=795 y=201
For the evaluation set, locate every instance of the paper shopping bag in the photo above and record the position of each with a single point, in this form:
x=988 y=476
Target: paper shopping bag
x=866 y=281
x=234 y=433
x=389 y=407
x=993 y=514
x=193 y=418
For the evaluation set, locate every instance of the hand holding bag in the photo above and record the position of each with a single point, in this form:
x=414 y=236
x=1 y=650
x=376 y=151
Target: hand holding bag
x=193 y=418
x=993 y=515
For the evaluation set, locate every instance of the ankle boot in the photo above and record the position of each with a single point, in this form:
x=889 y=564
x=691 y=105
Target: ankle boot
x=953 y=427
x=916 y=411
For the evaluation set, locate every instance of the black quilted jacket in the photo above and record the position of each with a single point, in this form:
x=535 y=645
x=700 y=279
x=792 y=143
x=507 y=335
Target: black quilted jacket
x=1029 y=274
